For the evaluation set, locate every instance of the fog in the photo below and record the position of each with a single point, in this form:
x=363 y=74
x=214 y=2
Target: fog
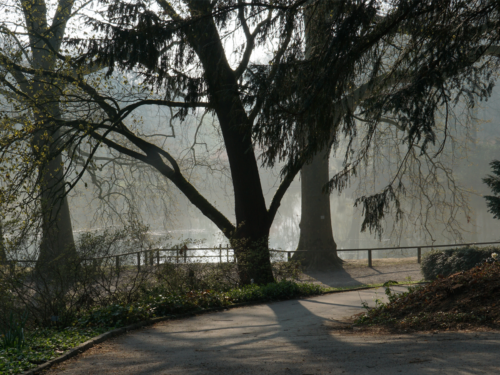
x=196 y=142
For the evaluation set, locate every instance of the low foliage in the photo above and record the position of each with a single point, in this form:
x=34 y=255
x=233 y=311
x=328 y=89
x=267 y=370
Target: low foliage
x=463 y=300
x=100 y=279
x=12 y=334
x=44 y=344
x=451 y=261
x=161 y=302
x=41 y=346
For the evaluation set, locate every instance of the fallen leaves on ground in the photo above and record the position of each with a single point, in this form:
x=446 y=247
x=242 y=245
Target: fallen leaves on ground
x=464 y=300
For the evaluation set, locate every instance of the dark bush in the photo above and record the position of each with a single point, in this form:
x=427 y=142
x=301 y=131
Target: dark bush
x=450 y=261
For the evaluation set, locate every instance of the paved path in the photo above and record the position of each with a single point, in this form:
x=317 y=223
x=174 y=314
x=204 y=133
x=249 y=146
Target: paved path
x=290 y=337
x=378 y=274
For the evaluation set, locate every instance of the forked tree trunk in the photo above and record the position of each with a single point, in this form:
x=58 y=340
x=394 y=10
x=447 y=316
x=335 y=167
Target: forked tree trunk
x=250 y=239
x=318 y=248
x=57 y=245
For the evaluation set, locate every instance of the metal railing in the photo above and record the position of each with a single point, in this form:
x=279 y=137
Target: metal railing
x=180 y=255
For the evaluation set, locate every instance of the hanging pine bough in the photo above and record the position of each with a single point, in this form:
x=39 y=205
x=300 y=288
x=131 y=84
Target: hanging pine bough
x=400 y=61
x=493 y=182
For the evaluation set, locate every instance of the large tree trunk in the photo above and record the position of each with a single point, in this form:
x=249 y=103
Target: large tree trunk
x=318 y=248
x=252 y=219
x=316 y=236
x=254 y=264
x=57 y=247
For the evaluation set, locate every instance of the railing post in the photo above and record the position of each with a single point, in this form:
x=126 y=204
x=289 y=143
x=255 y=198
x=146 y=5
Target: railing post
x=151 y=258
x=117 y=263
x=158 y=257
x=177 y=254
x=227 y=253
x=186 y=255
x=419 y=255
x=220 y=253
x=289 y=256
x=369 y=258
x=139 y=261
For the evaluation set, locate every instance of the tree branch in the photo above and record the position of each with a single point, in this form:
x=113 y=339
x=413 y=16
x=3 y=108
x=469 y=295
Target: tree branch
x=280 y=193
x=250 y=39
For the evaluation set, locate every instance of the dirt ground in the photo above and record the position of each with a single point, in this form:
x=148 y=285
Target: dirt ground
x=357 y=273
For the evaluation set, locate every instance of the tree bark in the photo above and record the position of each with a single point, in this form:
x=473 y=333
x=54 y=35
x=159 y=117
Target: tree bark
x=57 y=247
x=316 y=244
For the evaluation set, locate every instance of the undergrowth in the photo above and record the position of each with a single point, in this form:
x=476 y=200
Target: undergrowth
x=44 y=344
x=464 y=300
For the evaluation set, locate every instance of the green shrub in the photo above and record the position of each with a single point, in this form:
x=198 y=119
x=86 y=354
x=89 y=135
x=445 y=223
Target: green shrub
x=161 y=302
x=450 y=261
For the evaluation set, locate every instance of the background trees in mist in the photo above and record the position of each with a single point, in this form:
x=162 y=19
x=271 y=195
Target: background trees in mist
x=32 y=35
x=286 y=111
x=428 y=191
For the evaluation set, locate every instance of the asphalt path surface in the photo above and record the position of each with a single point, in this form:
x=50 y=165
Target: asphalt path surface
x=357 y=276
x=290 y=337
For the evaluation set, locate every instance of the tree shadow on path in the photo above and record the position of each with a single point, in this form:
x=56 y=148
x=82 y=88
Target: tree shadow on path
x=289 y=337
x=351 y=277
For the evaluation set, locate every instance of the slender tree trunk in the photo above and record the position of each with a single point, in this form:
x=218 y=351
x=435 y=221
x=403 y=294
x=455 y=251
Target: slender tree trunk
x=318 y=248
x=3 y=255
x=354 y=231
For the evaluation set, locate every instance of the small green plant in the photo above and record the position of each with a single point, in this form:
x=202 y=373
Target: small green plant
x=13 y=335
x=388 y=292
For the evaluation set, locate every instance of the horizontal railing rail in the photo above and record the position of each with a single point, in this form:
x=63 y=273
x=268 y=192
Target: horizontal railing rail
x=181 y=253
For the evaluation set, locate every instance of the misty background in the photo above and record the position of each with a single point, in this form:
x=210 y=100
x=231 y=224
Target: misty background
x=124 y=189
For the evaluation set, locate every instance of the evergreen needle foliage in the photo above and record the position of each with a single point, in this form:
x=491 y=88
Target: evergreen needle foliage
x=493 y=181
